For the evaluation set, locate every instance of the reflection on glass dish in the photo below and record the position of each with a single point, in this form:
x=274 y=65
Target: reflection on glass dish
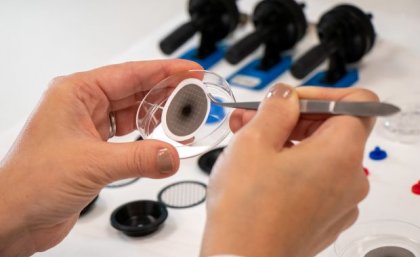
x=403 y=127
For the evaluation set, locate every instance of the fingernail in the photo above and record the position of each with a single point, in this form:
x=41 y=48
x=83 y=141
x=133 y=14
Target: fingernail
x=164 y=161
x=280 y=90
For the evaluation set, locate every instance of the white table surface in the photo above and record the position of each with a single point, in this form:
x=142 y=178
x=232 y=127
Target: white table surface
x=43 y=39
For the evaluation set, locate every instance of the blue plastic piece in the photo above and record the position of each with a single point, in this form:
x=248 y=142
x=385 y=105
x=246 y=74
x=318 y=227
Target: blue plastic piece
x=378 y=154
x=217 y=113
x=250 y=77
x=348 y=80
x=207 y=62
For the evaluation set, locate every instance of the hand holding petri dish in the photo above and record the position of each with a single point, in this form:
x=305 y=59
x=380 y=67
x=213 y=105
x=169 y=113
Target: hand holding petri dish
x=178 y=111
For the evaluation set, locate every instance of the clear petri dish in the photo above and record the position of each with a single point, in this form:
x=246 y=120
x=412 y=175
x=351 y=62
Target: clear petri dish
x=122 y=183
x=404 y=126
x=380 y=238
x=178 y=110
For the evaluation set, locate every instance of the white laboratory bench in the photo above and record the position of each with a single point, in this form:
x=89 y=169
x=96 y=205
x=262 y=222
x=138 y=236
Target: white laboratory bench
x=43 y=39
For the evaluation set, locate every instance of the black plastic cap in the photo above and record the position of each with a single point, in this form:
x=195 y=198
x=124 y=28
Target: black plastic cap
x=139 y=218
x=346 y=34
x=279 y=25
x=351 y=28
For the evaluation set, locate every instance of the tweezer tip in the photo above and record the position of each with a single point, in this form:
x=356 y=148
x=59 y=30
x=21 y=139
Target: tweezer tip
x=391 y=109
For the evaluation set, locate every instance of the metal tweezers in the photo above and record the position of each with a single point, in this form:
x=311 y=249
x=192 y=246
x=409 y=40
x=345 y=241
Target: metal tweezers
x=363 y=109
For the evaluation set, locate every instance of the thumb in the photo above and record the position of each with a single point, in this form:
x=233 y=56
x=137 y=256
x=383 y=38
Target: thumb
x=147 y=158
x=277 y=115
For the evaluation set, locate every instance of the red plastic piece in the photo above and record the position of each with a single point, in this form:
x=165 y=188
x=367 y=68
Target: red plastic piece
x=416 y=188
x=366 y=171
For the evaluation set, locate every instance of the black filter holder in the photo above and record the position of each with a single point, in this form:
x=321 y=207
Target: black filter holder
x=279 y=25
x=346 y=34
x=139 y=218
x=213 y=19
x=207 y=160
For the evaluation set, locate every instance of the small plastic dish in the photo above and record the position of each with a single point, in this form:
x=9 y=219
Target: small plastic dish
x=382 y=238
x=403 y=127
x=139 y=218
x=178 y=110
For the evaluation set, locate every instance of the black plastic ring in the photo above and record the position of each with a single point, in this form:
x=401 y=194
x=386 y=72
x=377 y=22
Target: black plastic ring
x=139 y=218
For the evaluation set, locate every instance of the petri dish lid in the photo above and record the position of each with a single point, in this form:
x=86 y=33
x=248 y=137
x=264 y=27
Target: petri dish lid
x=380 y=238
x=178 y=111
x=403 y=127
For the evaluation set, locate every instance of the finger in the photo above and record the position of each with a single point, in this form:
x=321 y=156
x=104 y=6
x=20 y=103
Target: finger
x=323 y=93
x=276 y=117
x=156 y=97
x=339 y=126
x=305 y=128
x=126 y=120
x=146 y=158
x=120 y=81
x=240 y=118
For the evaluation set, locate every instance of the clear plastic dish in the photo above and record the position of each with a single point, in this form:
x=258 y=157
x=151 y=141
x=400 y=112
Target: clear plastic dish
x=183 y=117
x=404 y=126
x=122 y=182
x=381 y=236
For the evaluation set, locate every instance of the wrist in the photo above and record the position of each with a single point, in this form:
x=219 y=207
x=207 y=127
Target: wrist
x=14 y=238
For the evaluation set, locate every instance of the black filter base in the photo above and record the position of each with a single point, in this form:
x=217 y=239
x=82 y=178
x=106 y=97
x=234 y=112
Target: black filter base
x=139 y=218
x=207 y=160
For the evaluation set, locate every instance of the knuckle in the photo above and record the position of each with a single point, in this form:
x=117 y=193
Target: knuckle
x=367 y=94
x=136 y=162
x=250 y=136
x=56 y=81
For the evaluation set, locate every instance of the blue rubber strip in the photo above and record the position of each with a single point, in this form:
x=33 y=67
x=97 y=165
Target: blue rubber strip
x=348 y=80
x=207 y=62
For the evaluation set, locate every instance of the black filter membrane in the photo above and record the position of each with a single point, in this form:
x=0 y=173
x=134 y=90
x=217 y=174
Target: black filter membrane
x=187 y=110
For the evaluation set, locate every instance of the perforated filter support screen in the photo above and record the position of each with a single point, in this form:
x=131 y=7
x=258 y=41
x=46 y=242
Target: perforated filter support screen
x=183 y=194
